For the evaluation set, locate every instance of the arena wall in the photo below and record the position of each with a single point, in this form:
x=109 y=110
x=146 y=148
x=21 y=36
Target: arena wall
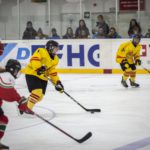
x=77 y=55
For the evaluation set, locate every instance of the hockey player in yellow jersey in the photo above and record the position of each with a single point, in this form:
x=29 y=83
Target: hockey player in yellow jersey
x=42 y=65
x=128 y=56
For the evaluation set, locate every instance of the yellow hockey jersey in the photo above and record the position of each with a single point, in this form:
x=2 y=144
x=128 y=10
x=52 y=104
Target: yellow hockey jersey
x=129 y=52
x=40 y=58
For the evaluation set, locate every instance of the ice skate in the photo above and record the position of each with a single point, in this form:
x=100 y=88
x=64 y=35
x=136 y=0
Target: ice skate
x=3 y=147
x=134 y=84
x=124 y=83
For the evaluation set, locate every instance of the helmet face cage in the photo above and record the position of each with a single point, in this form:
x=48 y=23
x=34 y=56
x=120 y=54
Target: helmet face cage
x=13 y=66
x=50 y=45
x=137 y=36
x=136 y=39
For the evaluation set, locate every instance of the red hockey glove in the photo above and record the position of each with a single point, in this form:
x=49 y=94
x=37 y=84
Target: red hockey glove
x=59 y=87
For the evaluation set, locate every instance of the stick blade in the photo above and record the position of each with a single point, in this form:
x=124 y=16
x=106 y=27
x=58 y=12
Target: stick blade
x=94 y=110
x=86 y=137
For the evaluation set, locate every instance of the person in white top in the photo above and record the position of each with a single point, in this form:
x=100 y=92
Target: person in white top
x=8 y=93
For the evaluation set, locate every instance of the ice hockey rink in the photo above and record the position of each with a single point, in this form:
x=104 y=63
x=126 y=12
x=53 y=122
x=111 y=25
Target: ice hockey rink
x=122 y=124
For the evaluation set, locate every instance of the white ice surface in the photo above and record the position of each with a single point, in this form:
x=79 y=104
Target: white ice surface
x=125 y=116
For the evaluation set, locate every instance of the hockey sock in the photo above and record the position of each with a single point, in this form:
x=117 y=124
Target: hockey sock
x=3 y=124
x=35 y=96
x=125 y=75
x=132 y=75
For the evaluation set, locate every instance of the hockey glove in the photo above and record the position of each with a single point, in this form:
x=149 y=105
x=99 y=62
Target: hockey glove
x=23 y=106
x=138 y=62
x=41 y=70
x=124 y=65
x=59 y=87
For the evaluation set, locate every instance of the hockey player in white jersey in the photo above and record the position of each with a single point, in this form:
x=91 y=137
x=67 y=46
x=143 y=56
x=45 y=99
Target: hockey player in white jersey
x=8 y=93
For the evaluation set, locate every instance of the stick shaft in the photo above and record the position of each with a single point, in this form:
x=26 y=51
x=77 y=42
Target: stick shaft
x=86 y=137
x=146 y=69
x=91 y=110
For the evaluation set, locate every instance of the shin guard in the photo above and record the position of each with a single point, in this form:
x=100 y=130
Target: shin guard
x=35 y=97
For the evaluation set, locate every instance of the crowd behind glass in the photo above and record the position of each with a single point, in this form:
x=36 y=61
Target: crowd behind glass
x=102 y=30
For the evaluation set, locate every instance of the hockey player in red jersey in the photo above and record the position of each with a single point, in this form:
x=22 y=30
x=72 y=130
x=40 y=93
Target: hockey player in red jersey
x=8 y=93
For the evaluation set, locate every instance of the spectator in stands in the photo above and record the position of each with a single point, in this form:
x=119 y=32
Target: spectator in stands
x=102 y=24
x=54 y=34
x=100 y=34
x=83 y=35
x=147 y=35
x=1 y=53
x=94 y=31
x=41 y=35
x=82 y=31
x=135 y=31
x=69 y=34
x=30 y=32
x=113 y=34
x=134 y=28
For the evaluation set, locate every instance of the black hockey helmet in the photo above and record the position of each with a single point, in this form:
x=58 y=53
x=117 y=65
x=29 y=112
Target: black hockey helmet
x=50 y=45
x=13 y=66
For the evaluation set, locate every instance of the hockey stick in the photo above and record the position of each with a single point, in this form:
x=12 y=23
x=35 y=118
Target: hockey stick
x=90 y=110
x=83 y=139
x=145 y=69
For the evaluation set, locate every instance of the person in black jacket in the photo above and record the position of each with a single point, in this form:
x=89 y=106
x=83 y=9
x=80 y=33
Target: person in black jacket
x=30 y=32
x=69 y=34
x=134 y=28
x=102 y=24
x=82 y=30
